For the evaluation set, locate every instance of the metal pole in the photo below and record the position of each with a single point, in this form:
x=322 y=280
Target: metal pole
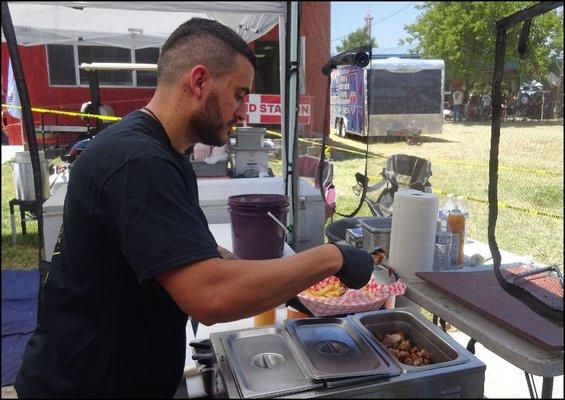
x=282 y=79
x=27 y=121
x=94 y=88
x=494 y=145
x=291 y=94
x=547 y=387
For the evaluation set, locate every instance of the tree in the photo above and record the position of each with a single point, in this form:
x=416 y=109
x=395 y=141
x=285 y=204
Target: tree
x=356 y=39
x=463 y=34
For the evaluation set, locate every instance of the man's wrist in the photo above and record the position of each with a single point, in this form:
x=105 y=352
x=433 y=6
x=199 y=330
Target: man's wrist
x=337 y=258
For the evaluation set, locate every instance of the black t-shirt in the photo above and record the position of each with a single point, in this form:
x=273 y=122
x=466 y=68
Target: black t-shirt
x=108 y=328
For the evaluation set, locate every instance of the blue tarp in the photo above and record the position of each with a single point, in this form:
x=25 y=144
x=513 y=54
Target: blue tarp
x=19 y=318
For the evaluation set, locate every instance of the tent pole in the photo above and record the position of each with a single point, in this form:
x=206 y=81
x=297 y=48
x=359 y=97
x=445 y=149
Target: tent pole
x=94 y=88
x=284 y=129
x=27 y=121
x=291 y=93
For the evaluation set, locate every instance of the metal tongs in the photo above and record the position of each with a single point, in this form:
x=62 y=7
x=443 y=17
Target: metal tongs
x=551 y=268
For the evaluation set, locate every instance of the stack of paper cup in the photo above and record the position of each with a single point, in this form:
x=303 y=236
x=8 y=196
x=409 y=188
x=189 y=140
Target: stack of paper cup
x=412 y=236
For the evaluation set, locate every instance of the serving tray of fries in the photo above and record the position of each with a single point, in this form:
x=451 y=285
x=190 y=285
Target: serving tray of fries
x=331 y=297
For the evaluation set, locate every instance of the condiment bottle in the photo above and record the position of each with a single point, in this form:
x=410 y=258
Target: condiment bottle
x=456 y=221
x=265 y=318
x=293 y=313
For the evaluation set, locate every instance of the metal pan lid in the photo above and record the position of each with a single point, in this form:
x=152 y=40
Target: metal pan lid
x=263 y=363
x=332 y=348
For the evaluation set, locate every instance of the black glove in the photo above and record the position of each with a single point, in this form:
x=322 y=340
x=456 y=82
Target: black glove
x=357 y=268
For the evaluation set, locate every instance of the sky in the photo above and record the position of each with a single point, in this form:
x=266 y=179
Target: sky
x=389 y=19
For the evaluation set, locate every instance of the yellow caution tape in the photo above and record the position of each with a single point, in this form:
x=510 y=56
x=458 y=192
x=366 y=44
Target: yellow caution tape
x=502 y=204
x=502 y=167
x=438 y=160
x=68 y=113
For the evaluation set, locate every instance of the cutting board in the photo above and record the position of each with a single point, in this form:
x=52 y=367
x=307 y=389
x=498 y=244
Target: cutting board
x=482 y=292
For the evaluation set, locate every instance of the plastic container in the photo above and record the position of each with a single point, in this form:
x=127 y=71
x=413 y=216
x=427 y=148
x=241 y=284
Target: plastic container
x=255 y=235
x=255 y=159
x=456 y=221
x=201 y=152
x=249 y=137
x=203 y=169
x=442 y=252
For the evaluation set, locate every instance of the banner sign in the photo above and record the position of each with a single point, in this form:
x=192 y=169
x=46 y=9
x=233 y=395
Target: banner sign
x=13 y=98
x=266 y=109
x=346 y=97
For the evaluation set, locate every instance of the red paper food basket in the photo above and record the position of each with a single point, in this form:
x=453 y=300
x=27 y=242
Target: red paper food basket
x=352 y=301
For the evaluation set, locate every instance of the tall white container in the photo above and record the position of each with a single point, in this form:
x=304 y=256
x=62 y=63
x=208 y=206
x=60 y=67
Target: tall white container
x=22 y=172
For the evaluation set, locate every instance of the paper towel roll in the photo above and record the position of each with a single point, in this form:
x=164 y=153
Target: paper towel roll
x=412 y=236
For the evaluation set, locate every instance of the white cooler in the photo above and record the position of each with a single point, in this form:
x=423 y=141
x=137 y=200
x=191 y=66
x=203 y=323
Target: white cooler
x=214 y=195
x=52 y=220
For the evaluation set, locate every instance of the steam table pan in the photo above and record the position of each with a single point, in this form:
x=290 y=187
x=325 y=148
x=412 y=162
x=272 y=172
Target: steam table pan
x=332 y=348
x=385 y=322
x=263 y=363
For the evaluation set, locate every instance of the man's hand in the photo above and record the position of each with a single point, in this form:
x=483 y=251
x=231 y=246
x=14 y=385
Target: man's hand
x=378 y=253
x=358 y=265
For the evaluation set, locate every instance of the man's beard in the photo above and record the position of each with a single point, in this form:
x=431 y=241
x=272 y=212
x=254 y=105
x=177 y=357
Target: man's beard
x=206 y=126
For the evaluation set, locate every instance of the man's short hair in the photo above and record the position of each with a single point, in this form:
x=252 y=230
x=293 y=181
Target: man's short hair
x=201 y=41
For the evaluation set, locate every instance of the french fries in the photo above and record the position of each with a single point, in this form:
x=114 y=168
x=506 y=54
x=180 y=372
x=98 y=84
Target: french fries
x=335 y=289
x=332 y=289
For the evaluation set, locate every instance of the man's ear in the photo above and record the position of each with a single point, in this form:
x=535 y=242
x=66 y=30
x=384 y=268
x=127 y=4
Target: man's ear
x=195 y=79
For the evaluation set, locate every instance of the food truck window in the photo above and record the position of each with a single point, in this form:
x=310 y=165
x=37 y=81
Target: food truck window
x=149 y=55
x=90 y=54
x=61 y=64
x=267 y=75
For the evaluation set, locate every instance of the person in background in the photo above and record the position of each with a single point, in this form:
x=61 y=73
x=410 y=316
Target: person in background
x=524 y=106
x=470 y=107
x=487 y=105
x=479 y=106
x=457 y=105
x=135 y=256
x=512 y=106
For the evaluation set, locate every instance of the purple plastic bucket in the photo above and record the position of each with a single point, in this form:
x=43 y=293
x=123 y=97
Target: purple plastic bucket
x=255 y=236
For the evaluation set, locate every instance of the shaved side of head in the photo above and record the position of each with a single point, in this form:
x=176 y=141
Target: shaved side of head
x=201 y=41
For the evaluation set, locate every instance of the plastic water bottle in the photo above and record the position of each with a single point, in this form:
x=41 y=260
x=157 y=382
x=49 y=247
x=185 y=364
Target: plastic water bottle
x=442 y=251
x=460 y=202
x=450 y=205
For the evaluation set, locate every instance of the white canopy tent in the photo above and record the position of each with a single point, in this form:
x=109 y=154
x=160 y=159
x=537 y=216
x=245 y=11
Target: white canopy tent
x=133 y=24
x=138 y=25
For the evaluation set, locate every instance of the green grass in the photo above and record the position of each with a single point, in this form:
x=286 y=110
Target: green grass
x=530 y=177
